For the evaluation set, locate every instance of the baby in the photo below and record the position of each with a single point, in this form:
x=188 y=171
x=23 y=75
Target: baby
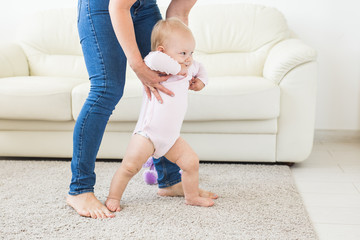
x=157 y=132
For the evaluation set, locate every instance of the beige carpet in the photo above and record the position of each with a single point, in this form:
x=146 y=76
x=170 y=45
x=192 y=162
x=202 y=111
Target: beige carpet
x=256 y=202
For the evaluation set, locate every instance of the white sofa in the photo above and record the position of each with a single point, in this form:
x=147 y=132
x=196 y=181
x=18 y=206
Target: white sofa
x=259 y=105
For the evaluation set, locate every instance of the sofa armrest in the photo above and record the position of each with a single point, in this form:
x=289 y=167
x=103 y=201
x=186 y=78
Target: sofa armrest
x=296 y=123
x=285 y=56
x=13 y=61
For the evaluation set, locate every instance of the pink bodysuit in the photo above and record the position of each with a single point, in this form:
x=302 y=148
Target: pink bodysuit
x=161 y=123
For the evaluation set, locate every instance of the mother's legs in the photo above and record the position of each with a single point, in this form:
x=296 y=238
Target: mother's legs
x=106 y=65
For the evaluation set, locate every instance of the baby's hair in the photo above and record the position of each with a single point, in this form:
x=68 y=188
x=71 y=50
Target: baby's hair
x=163 y=29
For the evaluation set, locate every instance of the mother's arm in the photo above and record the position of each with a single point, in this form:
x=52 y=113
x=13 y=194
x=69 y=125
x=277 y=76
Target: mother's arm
x=180 y=9
x=121 y=20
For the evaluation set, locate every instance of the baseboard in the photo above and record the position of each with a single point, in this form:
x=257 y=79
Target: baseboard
x=337 y=135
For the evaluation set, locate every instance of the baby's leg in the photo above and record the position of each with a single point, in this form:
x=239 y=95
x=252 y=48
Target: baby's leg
x=138 y=151
x=182 y=154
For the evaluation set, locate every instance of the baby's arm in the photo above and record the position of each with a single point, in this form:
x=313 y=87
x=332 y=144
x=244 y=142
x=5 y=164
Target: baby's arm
x=200 y=77
x=159 y=61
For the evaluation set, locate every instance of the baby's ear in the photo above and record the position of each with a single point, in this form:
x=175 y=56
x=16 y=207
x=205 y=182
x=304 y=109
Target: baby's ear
x=160 y=49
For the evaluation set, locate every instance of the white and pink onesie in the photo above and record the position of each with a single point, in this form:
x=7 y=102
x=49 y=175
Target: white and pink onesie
x=161 y=123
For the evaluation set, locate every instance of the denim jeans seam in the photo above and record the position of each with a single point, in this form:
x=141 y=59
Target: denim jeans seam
x=174 y=182
x=79 y=154
x=81 y=142
x=98 y=48
x=81 y=191
x=169 y=184
x=164 y=170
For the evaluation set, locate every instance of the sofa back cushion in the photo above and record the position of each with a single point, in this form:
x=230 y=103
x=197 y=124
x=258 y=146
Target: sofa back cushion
x=231 y=40
x=234 y=39
x=51 y=42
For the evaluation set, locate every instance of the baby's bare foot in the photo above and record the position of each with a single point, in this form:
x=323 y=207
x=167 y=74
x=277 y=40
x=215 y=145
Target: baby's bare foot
x=87 y=205
x=207 y=194
x=177 y=191
x=113 y=204
x=200 y=201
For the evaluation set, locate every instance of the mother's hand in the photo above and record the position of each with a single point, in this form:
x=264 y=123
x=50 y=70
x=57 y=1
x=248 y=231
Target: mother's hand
x=151 y=81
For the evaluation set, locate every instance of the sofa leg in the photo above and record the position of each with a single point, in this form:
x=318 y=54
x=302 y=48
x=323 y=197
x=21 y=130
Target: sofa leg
x=290 y=164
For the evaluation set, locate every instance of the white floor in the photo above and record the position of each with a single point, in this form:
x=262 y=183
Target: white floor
x=329 y=182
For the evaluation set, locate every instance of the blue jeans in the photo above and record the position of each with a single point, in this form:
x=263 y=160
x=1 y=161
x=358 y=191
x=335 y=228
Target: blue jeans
x=106 y=65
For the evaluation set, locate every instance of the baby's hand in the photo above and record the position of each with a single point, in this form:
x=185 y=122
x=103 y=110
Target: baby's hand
x=184 y=70
x=196 y=84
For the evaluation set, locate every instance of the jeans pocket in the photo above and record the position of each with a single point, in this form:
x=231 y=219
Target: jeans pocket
x=78 y=10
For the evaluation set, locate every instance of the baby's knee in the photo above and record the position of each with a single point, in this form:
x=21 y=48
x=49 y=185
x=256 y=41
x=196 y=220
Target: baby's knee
x=192 y=164
x=130 y=169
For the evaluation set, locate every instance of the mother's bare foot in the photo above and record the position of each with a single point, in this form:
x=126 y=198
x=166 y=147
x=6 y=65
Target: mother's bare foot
x=87 y=205
x=177 y=191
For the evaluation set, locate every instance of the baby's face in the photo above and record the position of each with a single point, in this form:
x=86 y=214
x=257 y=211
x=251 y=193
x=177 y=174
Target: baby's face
x=180 y=46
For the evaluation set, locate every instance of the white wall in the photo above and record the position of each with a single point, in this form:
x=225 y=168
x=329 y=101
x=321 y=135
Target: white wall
x=332 y=27
x=12 y=12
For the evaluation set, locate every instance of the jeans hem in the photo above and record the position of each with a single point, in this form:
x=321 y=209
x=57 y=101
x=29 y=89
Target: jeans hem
x=80 y=192
x=169 y=184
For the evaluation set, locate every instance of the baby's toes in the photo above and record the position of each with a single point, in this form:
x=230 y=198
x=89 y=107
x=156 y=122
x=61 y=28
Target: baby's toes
x=113 y=205
x=208 y=194
x=200 y=201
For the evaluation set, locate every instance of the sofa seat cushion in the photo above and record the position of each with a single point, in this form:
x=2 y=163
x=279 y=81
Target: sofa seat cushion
x=225 y=98
x=128 y=109
x=268 y=126
x=235 y=98
x=37 y=98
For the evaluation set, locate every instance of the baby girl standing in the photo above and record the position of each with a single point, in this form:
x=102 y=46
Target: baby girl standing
x=157 y=132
